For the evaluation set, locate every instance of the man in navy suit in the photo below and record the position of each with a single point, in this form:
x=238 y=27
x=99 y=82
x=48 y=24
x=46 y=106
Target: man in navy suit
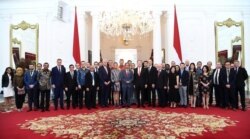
x=57 y=78
x=127 y=78
x=30 y=80
x=228 y=81
x=70 y=85
x=105 y=80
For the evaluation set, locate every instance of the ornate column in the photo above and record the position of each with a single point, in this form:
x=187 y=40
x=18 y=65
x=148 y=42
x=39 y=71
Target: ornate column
x=157 y=37
x=95 y=38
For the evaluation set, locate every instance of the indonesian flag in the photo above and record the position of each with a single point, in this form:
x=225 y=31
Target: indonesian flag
x=177 y=42
x=76 y=44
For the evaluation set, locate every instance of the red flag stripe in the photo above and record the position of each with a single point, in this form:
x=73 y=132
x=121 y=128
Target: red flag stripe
x=76 y=44
x=177 y=41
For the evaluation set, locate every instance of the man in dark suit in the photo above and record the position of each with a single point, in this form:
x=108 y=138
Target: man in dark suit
x=139 y=84
x=57 y=79
x=92 y=86
x=228 y=81
x=184 y=77
x=105 y=80
x=30 y=80
x=151 y=82
x=218 y=87
x=38 y=92
x=70 y=85
x=99 y=91
x=161 y=85
x=241 y=76
x=127 y=78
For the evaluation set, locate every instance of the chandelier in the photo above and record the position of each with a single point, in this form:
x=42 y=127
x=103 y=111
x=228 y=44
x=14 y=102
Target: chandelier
x=126 y=23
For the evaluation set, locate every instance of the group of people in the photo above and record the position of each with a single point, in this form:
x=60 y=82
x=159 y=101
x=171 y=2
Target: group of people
x=121 y=85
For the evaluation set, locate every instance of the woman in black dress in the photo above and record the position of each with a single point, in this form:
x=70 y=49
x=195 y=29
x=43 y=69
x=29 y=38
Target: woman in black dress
x=192 y=84
x=205 y=81
x=173 y=87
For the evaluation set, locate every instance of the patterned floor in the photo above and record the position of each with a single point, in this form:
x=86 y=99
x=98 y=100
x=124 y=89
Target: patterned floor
x=128 y=123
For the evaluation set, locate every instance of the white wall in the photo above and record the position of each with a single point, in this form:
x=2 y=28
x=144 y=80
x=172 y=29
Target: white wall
x=196 y=24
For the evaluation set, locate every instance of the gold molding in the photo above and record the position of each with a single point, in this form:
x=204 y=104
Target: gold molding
x=23 y=25
x=229 y=23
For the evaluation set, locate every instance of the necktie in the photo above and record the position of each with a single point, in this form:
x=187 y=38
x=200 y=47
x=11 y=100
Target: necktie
x=72 y=74
x=59 y=68
x=139 y=71
x=228 y=72
x=106 y=69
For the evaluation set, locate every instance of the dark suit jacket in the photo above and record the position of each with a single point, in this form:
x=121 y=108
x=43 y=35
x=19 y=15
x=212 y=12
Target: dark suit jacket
x=151 y=76
x=162 y=80
x=241 y=76
x=139 y=80
x=232 y=76
x=69 y=82
x=126 y=78
x=57 y=78
x=184 y=77
x=104 y=77
x=89 y=80
x=220 y=76
x=5 y=80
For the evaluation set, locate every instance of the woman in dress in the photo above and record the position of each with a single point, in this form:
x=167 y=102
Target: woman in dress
x=192 y=85
x=115 y=78
x=173 y=87
x=205 y=81
x=18 y=83
x=7 y=86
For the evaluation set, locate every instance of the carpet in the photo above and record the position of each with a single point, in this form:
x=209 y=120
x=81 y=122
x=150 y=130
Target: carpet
x=126 y=123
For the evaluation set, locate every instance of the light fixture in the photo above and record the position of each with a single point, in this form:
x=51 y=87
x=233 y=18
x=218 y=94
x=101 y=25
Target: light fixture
x=126 y=23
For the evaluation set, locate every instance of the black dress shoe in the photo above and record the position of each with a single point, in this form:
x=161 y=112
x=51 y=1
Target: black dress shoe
x=42 y=110
x=47 y=109
x=62 y=108
x=55 y=109
x=244 y=109
x=138 y=106
x=143 y=106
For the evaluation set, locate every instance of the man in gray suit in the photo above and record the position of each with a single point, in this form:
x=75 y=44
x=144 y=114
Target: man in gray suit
x=127 y=78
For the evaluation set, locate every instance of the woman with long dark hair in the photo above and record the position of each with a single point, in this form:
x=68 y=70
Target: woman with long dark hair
x=205 y=81
x=7 y=86
x=193 y=85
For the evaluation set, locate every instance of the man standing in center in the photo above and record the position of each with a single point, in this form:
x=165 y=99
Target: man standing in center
x=127 y=78
x=57 y=78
